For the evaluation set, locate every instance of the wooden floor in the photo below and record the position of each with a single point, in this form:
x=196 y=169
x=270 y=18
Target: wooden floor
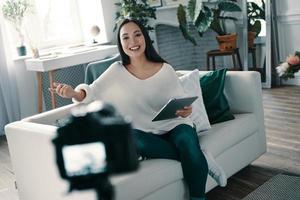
x=282 y=120
x=7 y=177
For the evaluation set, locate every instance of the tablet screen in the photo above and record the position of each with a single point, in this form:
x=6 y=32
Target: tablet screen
x=168 y=111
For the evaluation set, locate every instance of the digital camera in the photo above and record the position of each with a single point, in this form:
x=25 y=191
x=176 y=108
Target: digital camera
x=94 y=143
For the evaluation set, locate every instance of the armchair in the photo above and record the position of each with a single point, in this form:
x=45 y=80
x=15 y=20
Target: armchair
x=94 y=69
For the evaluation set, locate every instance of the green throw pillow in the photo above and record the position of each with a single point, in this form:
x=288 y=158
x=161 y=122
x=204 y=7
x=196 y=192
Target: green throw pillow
x=216 y=104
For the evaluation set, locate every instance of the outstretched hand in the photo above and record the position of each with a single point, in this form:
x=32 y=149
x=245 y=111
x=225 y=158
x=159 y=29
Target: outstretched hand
x=185 y=112
x=63 y=90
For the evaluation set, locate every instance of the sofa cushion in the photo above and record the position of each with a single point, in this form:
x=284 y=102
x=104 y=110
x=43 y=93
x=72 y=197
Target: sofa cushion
x=224 y=135
x=191 y=86
x=215 y=101
x=152 y=175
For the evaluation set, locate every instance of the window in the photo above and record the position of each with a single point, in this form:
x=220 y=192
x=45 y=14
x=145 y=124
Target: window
x=55 y=23
x=92 y=12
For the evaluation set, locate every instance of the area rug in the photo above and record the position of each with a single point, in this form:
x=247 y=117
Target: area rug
x=280 y=187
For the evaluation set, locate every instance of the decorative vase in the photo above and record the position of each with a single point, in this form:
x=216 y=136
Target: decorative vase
x=35 y=52
x=251 y=36
x=21 y=51
x=227 y=42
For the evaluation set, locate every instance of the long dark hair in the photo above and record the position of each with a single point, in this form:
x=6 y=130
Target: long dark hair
x=150 y=51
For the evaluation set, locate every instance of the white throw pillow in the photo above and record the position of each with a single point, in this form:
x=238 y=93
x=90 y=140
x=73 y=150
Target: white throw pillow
x=191 y=85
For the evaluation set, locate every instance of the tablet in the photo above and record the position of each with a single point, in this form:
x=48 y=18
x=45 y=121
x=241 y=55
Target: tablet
x=169 y=109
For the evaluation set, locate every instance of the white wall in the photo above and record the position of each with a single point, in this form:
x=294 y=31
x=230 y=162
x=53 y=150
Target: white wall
x=288 y=18
x=164 y=15
x=27 y=89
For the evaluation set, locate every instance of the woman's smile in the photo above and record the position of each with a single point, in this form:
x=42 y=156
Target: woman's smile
x=134 y=48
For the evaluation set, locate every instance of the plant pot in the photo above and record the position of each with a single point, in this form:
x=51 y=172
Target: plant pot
x=251 y=37
x=21 y=51
x=227 y=42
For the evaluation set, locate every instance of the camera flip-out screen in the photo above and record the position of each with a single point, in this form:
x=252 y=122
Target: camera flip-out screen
x=84 y=159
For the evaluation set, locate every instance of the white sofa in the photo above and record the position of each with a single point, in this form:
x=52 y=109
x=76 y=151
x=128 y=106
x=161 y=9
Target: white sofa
x=234 y=144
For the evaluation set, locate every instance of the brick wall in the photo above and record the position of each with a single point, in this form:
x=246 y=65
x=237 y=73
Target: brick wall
x=181 y=53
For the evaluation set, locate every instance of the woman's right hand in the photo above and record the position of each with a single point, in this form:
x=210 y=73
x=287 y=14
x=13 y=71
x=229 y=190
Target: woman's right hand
x=63 y=90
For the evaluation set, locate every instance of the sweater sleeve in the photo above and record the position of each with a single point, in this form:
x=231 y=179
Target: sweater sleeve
x=100 y=85
x=89 y=97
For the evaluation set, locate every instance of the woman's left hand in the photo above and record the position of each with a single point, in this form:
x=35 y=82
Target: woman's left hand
x=186 y=111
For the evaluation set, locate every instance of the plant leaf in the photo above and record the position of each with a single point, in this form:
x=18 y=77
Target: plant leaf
x=204 y=20
x=229 y=7
x=191 y=9
x=215 y=24
x=198 y=10
x=256 y=7
x=200 y=34
x=187 y=35
x=227 y=17
x=256 y=27
x=181 y=15
x=139 y=10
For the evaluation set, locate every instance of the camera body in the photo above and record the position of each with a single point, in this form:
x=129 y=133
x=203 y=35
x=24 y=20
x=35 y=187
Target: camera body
x=94 y=143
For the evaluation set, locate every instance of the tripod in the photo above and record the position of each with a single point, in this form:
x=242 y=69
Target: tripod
x=104 y=189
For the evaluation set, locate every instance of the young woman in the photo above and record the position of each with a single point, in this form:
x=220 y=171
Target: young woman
x=138 y=87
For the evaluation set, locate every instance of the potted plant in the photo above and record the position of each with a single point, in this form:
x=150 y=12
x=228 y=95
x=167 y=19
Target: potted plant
x=287 y=69
x=139 y=10
x=14 y=11
x=201 y=18
x=255 y=13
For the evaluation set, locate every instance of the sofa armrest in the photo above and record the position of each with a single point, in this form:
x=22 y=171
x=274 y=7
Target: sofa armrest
x=50 y=117
x=244 y=94
x=34 y=162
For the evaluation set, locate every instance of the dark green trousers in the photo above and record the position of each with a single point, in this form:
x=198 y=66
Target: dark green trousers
x=181 y=143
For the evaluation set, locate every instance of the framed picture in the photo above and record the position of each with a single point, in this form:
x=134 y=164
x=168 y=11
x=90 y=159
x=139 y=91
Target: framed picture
x=155 y=3
x=175 y=2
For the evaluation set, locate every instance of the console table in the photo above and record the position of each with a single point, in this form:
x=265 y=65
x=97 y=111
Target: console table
x=63 y=59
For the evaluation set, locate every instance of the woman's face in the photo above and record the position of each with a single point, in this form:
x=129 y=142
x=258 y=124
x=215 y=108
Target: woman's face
x=132 y=40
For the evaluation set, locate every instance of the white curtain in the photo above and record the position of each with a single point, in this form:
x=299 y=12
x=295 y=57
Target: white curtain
x=9 y=100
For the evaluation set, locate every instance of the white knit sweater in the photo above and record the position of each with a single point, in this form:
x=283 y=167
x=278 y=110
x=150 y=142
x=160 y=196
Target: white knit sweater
x=139 y=99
